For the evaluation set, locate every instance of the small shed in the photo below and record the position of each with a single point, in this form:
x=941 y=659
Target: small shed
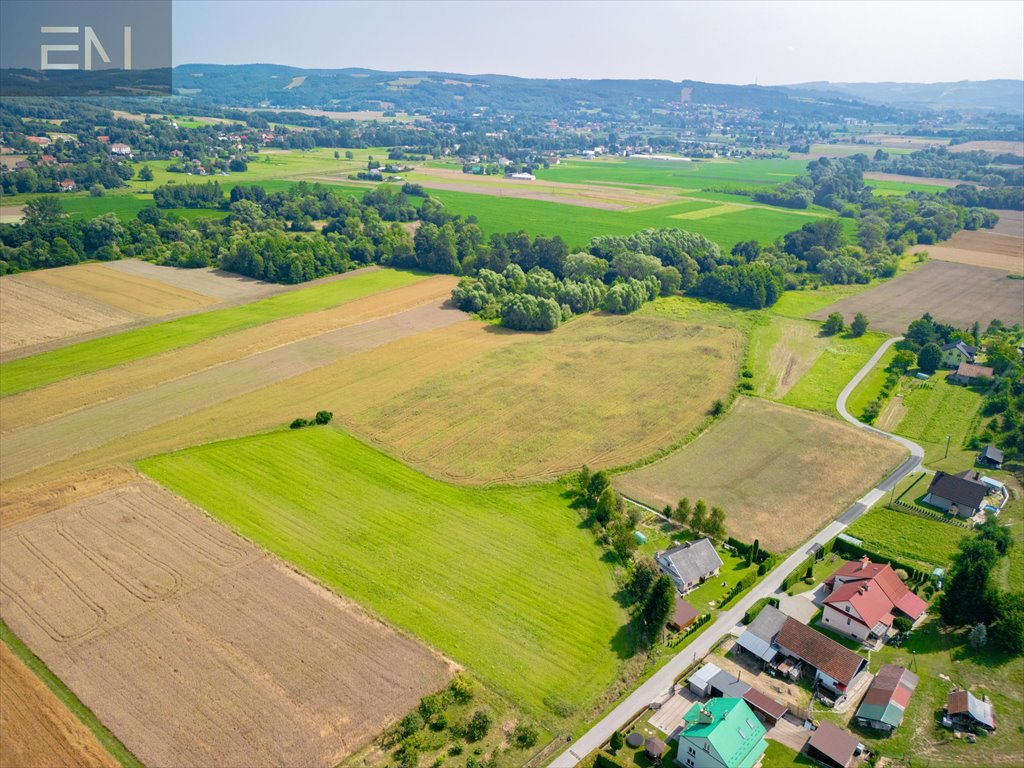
x=700 y=682
x=831 y=746
x=683 y=615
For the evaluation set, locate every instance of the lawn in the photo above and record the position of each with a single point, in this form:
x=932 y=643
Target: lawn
x=505 y=580
x=935 y=409
x=780 y=756
x=907 y=537
x=818 y=389
x=109 y=351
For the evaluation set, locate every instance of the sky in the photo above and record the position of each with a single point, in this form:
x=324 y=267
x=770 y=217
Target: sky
x=738 y=41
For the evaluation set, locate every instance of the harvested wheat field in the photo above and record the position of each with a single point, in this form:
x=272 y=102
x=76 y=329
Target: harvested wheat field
x=982 y=248
x=958 y=294
x=221 y=654
x=1010 y=223
x=33 y=312
x=36 y=729
x=999 y=147
x=214 y=283
x=428 y=296
x=780 y=473
x=122 y=290
x=55 y=439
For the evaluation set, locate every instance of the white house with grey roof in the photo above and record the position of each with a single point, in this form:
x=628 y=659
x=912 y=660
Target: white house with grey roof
x=690 y=564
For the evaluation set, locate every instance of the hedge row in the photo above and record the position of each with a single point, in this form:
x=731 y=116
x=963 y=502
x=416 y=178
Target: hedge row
x=902 y=506
x=757 y=607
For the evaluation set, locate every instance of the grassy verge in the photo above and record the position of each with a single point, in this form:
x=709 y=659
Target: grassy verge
x=109 y=351
x=109 y=741
x=870 y=387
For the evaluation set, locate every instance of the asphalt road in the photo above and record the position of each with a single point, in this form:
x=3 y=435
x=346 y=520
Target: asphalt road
x=662 y=680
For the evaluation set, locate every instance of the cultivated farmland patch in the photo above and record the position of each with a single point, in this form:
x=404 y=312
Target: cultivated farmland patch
x=214 y=283
x=983 y=248
x=958 y=294
x=222 y=655
x=779 y=473
x=36 y=728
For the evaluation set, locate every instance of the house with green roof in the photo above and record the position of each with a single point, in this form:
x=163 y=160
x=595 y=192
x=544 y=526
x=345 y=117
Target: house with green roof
x=722 y=733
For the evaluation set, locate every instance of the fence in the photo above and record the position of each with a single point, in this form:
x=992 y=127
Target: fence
x=927 y=514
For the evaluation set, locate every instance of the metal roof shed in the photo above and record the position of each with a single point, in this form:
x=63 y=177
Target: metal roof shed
x=700 y=682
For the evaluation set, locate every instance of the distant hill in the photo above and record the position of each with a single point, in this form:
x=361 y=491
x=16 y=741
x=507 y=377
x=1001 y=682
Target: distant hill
x=255 y=85
x=988 y=95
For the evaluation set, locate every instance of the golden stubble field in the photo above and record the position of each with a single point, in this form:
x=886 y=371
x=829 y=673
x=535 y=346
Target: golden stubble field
x=193 y=646
x=36 y=729
x=779 y=473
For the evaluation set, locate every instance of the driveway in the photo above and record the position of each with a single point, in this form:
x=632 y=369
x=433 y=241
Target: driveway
x=671 y=712
x=802 y=607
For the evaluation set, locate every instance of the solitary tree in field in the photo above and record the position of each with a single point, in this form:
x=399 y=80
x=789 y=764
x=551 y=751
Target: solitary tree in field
x=833 y=324
x=145 y=173
x=929 y=358
x=859 y=326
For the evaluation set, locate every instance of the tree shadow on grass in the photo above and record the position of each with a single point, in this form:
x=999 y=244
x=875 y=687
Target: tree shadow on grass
x=626 y=642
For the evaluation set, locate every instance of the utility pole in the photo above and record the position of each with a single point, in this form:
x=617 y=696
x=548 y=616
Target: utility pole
x=946 y=455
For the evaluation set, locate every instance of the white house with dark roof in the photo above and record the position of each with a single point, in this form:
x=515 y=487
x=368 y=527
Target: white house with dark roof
x=957 y=352
x=962 y=494
x=691 y=564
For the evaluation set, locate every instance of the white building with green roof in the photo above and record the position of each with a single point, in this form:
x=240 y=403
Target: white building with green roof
x=722 y=733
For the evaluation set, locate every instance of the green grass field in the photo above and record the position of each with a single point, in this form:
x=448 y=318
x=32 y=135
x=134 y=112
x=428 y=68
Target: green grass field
x=870 y=387
x=936 y=409
x=674 y=173
x=903 y=536
x=106 y=352
x=818 y=389
x=504 y=580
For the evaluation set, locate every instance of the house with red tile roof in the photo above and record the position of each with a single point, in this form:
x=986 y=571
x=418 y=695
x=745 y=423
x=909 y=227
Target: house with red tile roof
x=834 y=666
x=866 y=598
x=67 y=185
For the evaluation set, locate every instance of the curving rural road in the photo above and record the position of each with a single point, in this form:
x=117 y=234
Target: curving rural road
x=661 y=681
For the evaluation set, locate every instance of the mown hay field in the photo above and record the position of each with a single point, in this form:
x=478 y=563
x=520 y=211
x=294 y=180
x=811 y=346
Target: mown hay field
x=222 y=655
x=602 y=390
x=958 y=294
x=782 y=350
x=107 y=352
x=504 y=580
x=779 y=473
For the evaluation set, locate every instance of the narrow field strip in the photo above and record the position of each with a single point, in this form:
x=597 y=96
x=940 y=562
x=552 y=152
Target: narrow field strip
x=107 y=352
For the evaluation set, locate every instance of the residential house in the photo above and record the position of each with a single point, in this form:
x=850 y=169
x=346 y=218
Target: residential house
x=961 y=494
x=957 y=352
x=965 y=710
x=991 y=457
x=46 y=159
x=835 y=667
x=118 y=148
x=968 y=373
x=690 y=564
x=887 y=698
x=759 y=637
x=67 y=185
x=831 y=746
x=865 y=598
x=723 y=733
x=683 y=615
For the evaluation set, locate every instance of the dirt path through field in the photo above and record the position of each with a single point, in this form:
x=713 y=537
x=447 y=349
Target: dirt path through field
x=91 y=427
x=45 y=403
x=36 y=729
